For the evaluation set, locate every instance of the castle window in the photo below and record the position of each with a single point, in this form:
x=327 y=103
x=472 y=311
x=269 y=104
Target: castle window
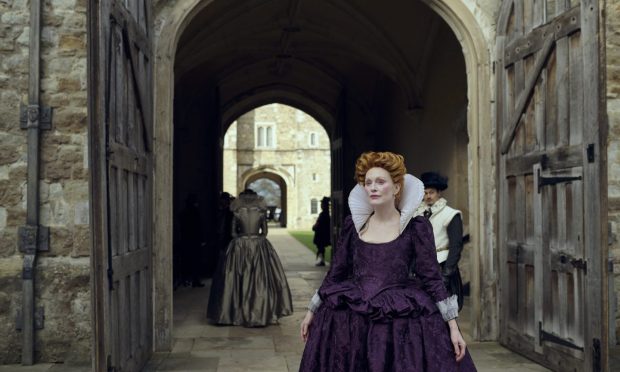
x=265 y=136
x=314 y=206
x=314 y=139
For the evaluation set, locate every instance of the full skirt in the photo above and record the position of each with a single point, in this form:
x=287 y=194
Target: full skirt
x=249 y=287
x=344 y=340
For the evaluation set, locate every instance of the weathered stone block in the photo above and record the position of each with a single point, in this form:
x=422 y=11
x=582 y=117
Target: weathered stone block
x=69 y=85
x=70 y=119
x=14 y=18
x=70 y=154
x=11 y=148
x=16 y=216
x=10 y=290
x=66 y=298
x=81 y=241
x=55 y=213
x=70 y=44
x=49 y=36
x=56 y=138
x=10 y=193
x=7 y=44
x=61 y=241
x=18 y=171
x=12 y=153
x=3 y=218
x=81 y=214
x=57 y=99
x=56 y=170
x=80 y=173
x=52 y=20
x=8 y=242
x=76 y=190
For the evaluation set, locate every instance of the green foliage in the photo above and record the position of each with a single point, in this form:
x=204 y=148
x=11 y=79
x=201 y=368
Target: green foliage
x=305 y=238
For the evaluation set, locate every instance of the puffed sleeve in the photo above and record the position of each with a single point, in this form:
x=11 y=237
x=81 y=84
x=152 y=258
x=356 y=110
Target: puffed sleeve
x=340 y=267
x=427 y=268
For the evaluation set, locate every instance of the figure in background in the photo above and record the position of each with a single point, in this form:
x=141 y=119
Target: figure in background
x=447 y=229
x=224 y=220
x=191 y=242
x=370 y=314
x=322 y=232
x=249 y=287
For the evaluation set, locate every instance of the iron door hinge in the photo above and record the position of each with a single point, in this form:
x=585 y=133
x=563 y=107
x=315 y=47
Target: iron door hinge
x=578 y=263
x=550 y=337
x=547 y=181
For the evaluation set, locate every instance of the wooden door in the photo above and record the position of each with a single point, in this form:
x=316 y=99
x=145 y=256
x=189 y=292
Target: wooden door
x=121 y=126
x=549 y=131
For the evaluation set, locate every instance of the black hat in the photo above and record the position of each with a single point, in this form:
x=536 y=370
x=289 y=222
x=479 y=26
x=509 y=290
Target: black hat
x=434 y=180
x=325 y=199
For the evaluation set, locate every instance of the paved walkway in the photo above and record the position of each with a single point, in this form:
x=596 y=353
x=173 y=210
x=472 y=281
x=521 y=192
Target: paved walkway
x=199 y=346
x=203 y=347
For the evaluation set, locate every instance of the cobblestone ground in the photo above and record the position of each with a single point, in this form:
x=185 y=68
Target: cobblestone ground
x=199 y=346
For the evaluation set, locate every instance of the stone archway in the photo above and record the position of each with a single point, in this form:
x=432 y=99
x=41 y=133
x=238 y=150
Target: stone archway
x=281 y=178
x=171 y=20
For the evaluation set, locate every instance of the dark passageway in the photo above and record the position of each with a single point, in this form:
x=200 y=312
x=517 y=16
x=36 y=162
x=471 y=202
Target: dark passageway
x=373 y=84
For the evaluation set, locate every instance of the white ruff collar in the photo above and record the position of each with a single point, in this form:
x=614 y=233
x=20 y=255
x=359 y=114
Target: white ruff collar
x=412 y=194
x=435 y=208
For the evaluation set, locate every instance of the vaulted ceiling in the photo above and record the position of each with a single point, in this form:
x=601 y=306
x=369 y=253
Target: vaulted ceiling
x=315 y=50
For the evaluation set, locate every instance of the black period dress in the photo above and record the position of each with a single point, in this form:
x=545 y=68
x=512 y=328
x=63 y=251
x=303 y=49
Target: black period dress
x=249 y=287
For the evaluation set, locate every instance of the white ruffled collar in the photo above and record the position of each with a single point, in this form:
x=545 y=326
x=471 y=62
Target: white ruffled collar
x=413 y=192
x=435 y=208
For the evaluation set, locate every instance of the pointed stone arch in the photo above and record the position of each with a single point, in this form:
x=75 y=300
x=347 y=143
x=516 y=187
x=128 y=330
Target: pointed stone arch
x=171 y=20
x=280 y=176
x=283 y=94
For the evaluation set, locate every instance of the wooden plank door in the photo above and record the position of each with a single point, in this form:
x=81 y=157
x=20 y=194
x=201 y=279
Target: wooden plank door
x=121 y=125
x=550 y=236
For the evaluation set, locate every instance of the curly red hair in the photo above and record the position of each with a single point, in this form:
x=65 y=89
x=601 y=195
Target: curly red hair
x=391 y=162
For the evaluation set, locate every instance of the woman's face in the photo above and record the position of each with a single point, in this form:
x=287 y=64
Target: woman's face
x=379 y=186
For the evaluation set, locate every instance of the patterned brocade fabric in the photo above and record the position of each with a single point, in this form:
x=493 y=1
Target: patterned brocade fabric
x=448 y=308
x=368 y=301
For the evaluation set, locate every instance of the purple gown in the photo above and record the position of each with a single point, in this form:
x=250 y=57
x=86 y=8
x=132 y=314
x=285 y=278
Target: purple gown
x=374 y=316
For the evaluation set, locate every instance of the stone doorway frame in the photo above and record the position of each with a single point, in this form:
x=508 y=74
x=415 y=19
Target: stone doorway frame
x=281 y=177
x=171 y=18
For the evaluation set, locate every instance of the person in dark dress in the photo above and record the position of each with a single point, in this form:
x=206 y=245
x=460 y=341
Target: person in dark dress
x=249 y=287
x=447 y=230
x=383 y=305
x=322 y=236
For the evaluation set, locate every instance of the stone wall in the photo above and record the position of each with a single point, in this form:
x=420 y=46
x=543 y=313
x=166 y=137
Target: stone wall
x=612 y=41
x=62 y=275
x=305 y=169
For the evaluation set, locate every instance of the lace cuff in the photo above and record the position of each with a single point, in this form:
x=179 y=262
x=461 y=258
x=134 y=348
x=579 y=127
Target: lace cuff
x=315 y=302
x=449 y=308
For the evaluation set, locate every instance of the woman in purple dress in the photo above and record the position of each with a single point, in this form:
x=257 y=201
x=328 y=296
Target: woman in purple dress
x=383 y=305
